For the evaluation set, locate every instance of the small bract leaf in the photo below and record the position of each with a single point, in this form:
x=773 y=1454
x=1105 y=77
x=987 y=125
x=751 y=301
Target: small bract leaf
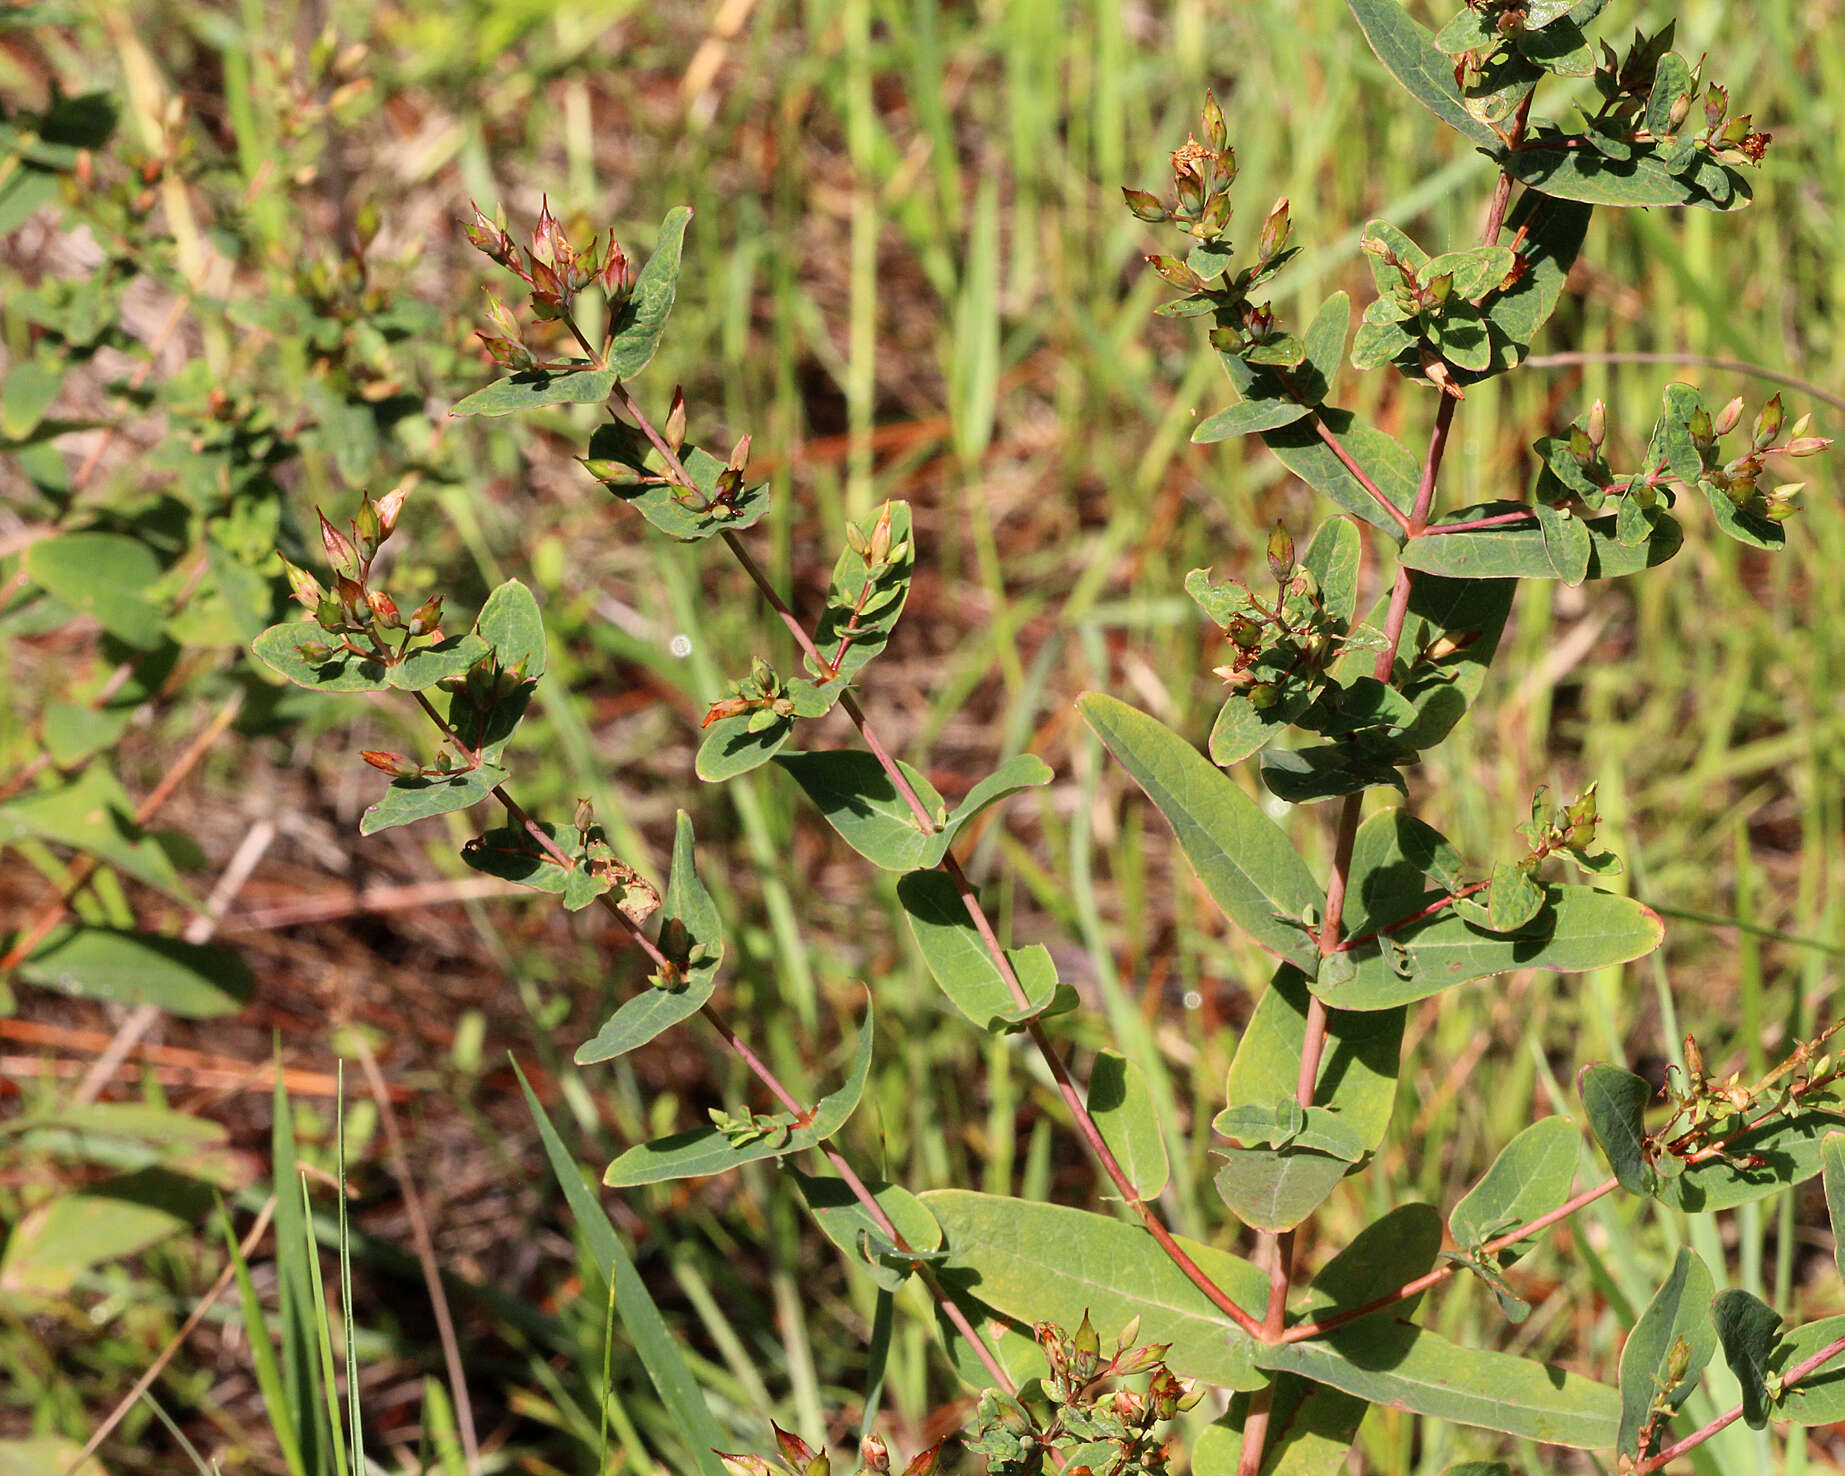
x=1615 y=1101
x=1746 y=1328
x=409 y=800
x=1666 y=1351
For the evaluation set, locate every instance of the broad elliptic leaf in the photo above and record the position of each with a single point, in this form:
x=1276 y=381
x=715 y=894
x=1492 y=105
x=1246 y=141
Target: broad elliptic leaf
x=102 y=575
x=35 y=1454
x=1679 y=1313
x=51 y=1246
x=409 y=800
x=193 y=980
x=424 y=666
x=713 y=1150
x=1275 y=1189
x=729 y=747
x=1742 y=524
x=581 y=383
x=1518 y=550
x=1578 y=929
x=1776 y=1155
x=1310 y=1433
x=641 y=323
x=1553 y=235
x=692 y=937
x=843 y=1220
x=850 y=788
x=1819 y=1398
x=1832 y=1166
x=1531 y=1176
x=861 y=611
x=1409 y=54
x=1513 y=898
x=1391 y=1251
x=280 y=648
x=1390 y=1362
x=1386 y=461
x=510 y=622
x=1019 y=773
x=1447 y=644
x=1358 y=1066
x=1122 y=1106
x=1302 y=775
x=1615 y=1101
x=92 y=813
x=1241 y=856
x=1247 y=418
x=1324 y=341
x=1567 y=542
x=633 y=469
x=1242 y=728
x=1746 y=1328
x=961 y=964
x=1333 y=558
x=1046 y=1262
x=1579 y=173
x=1395 y=858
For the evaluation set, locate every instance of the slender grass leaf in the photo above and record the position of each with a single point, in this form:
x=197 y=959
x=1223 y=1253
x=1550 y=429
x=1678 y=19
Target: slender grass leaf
x=299 y=1312
x=850 y=788
x=1578 y=929
x=1392 y=1363
x=1358 y=1067
x=196 y=981
x=1678 y=1314
x=262 y=1353
x=1409 y=54
x=1241 y=856
x=1615 y=1101
x=1123 y=1108
x=713 y=1150
x=647 y=1330
x=1746 y=1328
x=1047 y=1262
x=1531 y=1176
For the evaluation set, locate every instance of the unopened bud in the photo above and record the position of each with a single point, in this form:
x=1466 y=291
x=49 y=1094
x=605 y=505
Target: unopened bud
x=1176 y=272
x=1280 y=552
x=675 y=420
x=390 y=508
x=1215 y=133
x=1275 y=229
x=585 y=815
x=315 y=652
x=1145 y=206
x=873 y=1455
x=795 y=1451
x=858 y=542
x=1598 y=424
x=924 y=1464
x=341 y=555
x=739 y=454
x=368 y=529
x=1768 y=423
x=880 y=537
x=1728 y=417
x=302 y=585
x=427 y=617
x=1680 y=111
x=1716 y=104
x=745 y=1465
x=394 y=764
x=384 y=608
x=1807 y=445
x=1263 y=695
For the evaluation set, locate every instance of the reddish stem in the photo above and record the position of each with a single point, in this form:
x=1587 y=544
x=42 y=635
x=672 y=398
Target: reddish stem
x=1497 y=520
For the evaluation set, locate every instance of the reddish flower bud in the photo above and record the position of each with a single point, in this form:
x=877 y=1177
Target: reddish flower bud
x=427 y=616
x=390 y=507
x=384 y=608
x=794 y=1450
x=394 y=764
x=1146 y=206
x=341 y=555
x=301 y=584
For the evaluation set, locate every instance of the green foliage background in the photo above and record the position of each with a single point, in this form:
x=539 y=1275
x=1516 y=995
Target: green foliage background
x=908 y=274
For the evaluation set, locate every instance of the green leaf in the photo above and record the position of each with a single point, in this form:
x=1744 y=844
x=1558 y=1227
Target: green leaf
x=692 y=937
x=511 y=853
x=1578 y=929
x=876 y=607
x=532 y=389
x=1788 y=1149
x=1742 y=524
x=710 y=1150
x=1122 y=1106
x=408 y=800
x=193 y=980
x=642 y=320
x=280 y=649
x=1576 y=173
x=1310 y=1433
x=31 y=388
x=103 y=576
x=1554 y=232
x=511 y=623
x=851 y=789
x=1381 y=457
x=1019 y=773
x=1284 y=1123
x=51 y=1246
x=634 y=470
x=1302 y=775
x=1248 y=418
x=1567 y=542
x=1513 y=898
x=1391 y=1363
x=653 y=1342
x=1242 y=729
x=72 y=731
x=1377 y=344
x=1358 y=1067
x=1241 y=856
x=1819 y=1398
x=961 y=964
x=1046 y=1262
x=1448 y=642
x=1518 y=550
x=33 y=1455
x=1746 y=1328
x=1531 y=1176
x=849 y=1225
x=92 y=813
x=730 y=749
x=1680 y=1312
x=1832 y=1166
x=1276 y=1188
x=1615 y=1101
x=1409 y=55
x=1324 y=341
x=1391 y=1251
x=1393 y=855
x=1333 y=559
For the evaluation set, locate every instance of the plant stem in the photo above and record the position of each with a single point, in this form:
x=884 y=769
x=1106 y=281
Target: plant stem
x=1473 y=524
x=760 y=1068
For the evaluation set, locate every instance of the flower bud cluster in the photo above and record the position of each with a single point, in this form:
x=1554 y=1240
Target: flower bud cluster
x=556 y=271
x=762 y=694
x=352 y=607
x=797 y=1458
